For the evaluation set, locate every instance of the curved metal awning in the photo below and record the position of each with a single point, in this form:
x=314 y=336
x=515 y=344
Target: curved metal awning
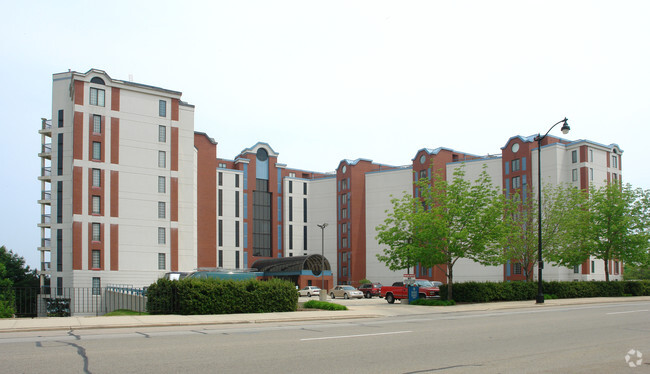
x=293 y=264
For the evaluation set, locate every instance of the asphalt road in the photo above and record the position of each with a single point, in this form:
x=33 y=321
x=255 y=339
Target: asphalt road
x=569 y=339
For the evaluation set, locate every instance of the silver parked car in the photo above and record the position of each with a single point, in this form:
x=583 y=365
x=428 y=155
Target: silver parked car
x=345 y=292
x=309 y=290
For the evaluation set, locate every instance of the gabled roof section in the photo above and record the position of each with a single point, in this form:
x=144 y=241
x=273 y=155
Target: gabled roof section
x=435 y=151
x=613 y=147
x=258 y=145
x=206 y=135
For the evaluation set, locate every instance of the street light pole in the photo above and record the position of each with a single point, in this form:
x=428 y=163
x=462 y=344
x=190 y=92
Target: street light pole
x=322 y=259
x=540 y=264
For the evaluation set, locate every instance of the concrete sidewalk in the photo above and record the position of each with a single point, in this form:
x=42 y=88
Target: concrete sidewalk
x=355 y=311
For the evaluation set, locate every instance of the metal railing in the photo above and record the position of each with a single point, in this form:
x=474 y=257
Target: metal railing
x=46 y=148
x=46 y=242
x=69 y=301
x=46 y=218
x=45 y=266
x=46 y=124
x=46 y=171
x=46 y=195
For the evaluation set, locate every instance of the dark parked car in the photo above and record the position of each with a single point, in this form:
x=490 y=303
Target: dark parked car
x=370 y=289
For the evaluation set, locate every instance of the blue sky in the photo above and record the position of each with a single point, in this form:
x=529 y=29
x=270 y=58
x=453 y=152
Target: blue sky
x=330 y=80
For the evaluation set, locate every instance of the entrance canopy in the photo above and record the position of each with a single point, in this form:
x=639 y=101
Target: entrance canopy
x=298 y=265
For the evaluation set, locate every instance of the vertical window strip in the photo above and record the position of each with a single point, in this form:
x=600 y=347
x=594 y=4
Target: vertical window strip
x=245 y=206
x=279 y=180
x=162 y=159
x=162 y=108
x=280 y=237
x=162 y=133
x=97 y=124
x=161 y=209
x=245 y=235
x=279 y=208
x=236 y=234
x=162 y=235
x=162 y=261
x=162 y=185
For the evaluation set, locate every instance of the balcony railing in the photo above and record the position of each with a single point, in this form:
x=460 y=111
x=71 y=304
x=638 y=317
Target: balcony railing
x=46 y=148
x=46 y=218
x=46 y=195
x=46 y=171
x=46 y=242
x=46 y=124
x=45 y=266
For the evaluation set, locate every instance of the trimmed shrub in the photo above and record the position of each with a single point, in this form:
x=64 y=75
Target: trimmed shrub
x=316 y=304
x=214 y=296
x=432 y=302
x=481 y=292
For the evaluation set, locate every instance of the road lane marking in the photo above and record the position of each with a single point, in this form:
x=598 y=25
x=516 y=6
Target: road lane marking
x=629 y=311
x=356 y=336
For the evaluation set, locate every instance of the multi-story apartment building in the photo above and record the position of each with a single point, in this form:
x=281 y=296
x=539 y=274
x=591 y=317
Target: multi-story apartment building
x=118 y=182
x=130 y=191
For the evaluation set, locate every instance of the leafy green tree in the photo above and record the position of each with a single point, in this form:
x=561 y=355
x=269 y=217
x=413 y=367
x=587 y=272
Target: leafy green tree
x=447 y=222
x=561 y=208
x=16 y=270
x=6 y=294
x=618 y=224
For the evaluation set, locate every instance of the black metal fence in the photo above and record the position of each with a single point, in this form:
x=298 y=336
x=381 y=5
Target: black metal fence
x=69 y=301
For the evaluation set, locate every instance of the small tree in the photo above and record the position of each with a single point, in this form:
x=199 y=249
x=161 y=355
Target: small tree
x=448 y=221
x=617 y=228
x=7 y=298
x=16 y=270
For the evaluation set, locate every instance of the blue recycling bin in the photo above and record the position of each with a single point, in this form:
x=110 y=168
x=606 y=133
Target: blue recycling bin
x=414 y=293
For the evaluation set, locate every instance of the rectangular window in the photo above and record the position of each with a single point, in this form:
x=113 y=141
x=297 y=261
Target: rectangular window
x=576 y=269
x=344 y=242
x=60 y=122
x=304 y=238
x=162 y=184
x=262 y=217
x=97 y=124
x=292 y=175
x=236 y=203
x=290 y=236
x=161 y=209
x=574 y=156
x=59 y=157
x=96 y=232
x=304 y=189
x=591 y=174
x=423 y=174
x=97 y=286
x=59 y=250
x=344 y=213
x=162 y=159
x=236 y=180
x=162 y=108
x=516 y=182
x=220 y=259
x=162 y=133
x=162 y=235
x=97 y=151
x=574 y=175
x=516 y=268
x=516 y=165
x=344 y=184
x=97 y=178
x=220 y=233
x=615 y=177
x=162 y=261
x=236 y=234
x=290 y=208
x=220 y=203
x=236 y=259
x=220 y=178
x=344 y=199
x=591 y=155
x=304 y=212
x=96 y=259
x=222 y=165
x=614 y=161
x=593 y=267
x=59 y=286
x=96 y=96
x=97 y=205
x=615 y=267
x=290 y=186
x=344 y=228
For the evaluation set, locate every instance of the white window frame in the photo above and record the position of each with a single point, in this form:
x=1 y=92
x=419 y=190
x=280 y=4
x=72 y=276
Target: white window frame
x=97 y=178
x=96 y=234
x=96 y=259
x=97 y=205
x=97 y=124
x=162 y=235
x=162 y=184
x=162 y=133
x=97 y=286
x=162 y=108
x=97 y=150
x=162 y=159
x=574 y=175
x=162 y=261
x=97 y=96
x=162 y=209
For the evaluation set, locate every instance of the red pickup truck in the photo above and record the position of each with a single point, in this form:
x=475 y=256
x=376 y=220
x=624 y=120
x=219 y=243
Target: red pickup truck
x=399 y=291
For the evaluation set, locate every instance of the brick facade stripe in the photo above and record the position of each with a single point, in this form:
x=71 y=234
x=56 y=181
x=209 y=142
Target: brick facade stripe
x=115 y=140
x=79 y=92
x=115 y=99
x=584 y=178
x=115 y=193
x=114 y=247
x=175 y=109
x=584 y=153
x=77 y=179
x=78 y=135
x=206 y=193
x=174 y=248
x=94 y=137
x=76 y=245
x=173 y=199
x=174 y=149
x=96 y=191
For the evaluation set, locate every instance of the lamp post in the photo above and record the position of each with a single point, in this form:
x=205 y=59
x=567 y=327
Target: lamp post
x=322 y=258
x=540 y=264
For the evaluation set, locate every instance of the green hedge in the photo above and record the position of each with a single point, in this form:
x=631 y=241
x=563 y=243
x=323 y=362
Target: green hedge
x=482 y=292
x=212 y=296
x=316 y=304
